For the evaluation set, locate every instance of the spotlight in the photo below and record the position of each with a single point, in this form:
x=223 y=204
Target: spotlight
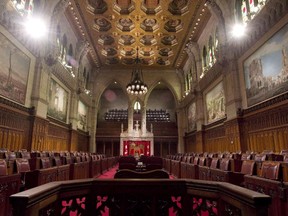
x=36 y=27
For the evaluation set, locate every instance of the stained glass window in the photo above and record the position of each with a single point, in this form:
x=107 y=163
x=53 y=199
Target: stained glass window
x=249 y=9
x=24 y=7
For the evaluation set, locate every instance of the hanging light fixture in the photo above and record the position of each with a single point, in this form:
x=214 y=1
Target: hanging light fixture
x=136 y=85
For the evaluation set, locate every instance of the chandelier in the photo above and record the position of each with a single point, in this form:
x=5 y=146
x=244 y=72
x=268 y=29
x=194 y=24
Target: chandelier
x=136 y=85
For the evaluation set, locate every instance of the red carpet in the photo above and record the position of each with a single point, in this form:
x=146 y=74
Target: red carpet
x=109 y=174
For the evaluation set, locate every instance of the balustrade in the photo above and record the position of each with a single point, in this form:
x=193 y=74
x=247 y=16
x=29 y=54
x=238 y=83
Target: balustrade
x=139 y=197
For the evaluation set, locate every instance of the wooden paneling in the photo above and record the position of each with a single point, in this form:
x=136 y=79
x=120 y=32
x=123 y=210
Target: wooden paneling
x=14 y=126
x=267 y=127
x=21 y=129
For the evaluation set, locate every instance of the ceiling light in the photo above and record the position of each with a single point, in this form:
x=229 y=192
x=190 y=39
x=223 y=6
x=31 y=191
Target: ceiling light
x=238 y=30
x=36 y=27
x=136 y=85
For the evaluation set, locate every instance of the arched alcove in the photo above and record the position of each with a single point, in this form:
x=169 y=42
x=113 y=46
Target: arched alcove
x=113 y=101
x=161 y=102
x=112 y=117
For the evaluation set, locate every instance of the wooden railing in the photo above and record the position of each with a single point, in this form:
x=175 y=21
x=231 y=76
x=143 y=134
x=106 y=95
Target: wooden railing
x=139 y=197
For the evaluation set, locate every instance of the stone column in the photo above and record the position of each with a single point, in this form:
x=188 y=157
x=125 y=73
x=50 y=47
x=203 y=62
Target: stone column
x=143 y=120
x=130 y=118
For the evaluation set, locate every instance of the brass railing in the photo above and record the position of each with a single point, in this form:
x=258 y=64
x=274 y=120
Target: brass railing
x=139 y=197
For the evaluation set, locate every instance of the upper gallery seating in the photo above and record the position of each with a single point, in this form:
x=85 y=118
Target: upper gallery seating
x=152 y=115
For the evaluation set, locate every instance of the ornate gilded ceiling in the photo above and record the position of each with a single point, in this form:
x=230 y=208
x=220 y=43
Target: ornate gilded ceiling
x=160 y=29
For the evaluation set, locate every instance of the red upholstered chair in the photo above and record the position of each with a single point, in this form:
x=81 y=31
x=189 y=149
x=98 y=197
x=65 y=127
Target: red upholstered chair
x=225 y=164
x=260 y=157
x=248 y=167
x=22 y=167
x=45 y=163
x=56 y=161
x=3 y=168
x=214 y=163
x=270 y=170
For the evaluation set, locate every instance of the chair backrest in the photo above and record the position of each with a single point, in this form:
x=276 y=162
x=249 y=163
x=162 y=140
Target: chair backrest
x=153 y=174
x=22 y=165
x=25 y=154
x=130 y=166
x=270 y=170
x=127 y=159
x=260 y=157
x=245 y=156
x=11 y=156
x=214 y=163
x=202 y=161
x=248 y=167
x=56 y=161
x=285 y=159
x=3 y=167
x=45 y=163
x=225 y=164
x=284 y=151
x=196 y=160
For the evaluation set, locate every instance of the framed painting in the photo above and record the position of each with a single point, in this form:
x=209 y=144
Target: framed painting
x=192 y=117
x=58 y=101
x=266 y=69
x=82 y=116
x=14 y=71
x=215 y=103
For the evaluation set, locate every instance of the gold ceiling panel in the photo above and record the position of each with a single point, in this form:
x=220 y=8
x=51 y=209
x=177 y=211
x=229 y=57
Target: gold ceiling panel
x=159 y=29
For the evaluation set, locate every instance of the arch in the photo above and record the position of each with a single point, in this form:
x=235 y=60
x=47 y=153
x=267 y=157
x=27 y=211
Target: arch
x=105 y=85
x=217 y=8
x=154 y=85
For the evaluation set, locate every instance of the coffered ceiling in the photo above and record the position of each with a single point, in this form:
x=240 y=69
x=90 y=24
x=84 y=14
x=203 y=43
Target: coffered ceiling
x=158 y=29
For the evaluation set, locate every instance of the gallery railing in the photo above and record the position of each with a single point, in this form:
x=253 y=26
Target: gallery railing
x=139 y=197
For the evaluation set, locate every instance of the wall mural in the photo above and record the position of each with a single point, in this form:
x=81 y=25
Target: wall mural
x=266 y=70
x=14 y=71
x=58 y=100
x=215 y=103
x=192 y=117
x=82 y=116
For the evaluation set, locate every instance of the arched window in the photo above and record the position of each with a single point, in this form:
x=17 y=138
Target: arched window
x=216 y=41
x=69 y=57
x=246 y=10
x=24 y=7
x=137 y=106
x=211 y=52
x=63 y=49
x=189 y=79
x=204 y=58
x=87 y=80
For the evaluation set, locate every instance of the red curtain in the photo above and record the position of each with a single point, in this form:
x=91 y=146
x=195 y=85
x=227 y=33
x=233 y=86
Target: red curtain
x=133 y=148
